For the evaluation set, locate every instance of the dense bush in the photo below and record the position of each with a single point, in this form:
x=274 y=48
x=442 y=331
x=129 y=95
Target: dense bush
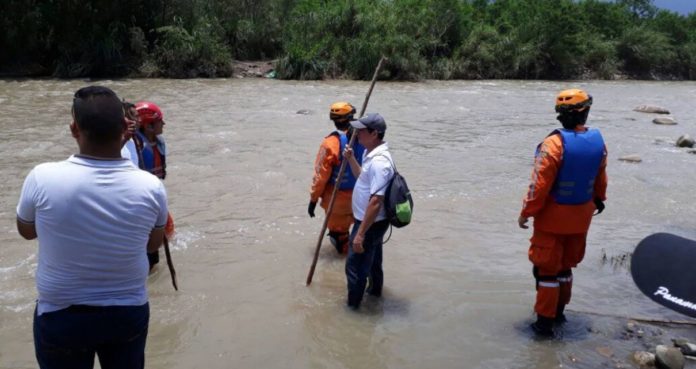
x=199 y=53
x=314 y=39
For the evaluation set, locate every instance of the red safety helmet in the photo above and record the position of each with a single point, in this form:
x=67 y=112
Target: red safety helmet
x=148 y=112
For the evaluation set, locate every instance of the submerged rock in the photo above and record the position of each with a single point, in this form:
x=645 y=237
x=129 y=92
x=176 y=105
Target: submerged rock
x=605 y=351
x=651 y=109
x=685 y=141
x=668 y=358
x=634 y=158
x=665 y=121
x=644 y=358
x=631 y=325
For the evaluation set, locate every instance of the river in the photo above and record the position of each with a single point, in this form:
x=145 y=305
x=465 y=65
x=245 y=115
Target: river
x=458 y=285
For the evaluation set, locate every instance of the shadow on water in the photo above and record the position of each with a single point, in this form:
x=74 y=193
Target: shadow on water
x=387 y=305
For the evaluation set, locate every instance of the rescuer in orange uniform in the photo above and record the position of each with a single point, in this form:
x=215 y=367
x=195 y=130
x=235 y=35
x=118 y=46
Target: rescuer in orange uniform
x=569 y=183
x=326 y=168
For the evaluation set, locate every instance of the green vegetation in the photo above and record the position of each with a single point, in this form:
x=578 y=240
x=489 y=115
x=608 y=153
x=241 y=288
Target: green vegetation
x=314 y=39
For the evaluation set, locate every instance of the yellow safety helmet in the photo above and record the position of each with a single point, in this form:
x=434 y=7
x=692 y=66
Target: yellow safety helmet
x=342 y=111
x=573 y=100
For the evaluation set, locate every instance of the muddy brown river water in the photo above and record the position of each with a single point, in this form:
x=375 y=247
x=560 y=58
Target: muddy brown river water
x=458 y=286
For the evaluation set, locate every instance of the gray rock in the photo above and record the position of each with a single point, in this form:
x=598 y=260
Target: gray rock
x=687 y=348
x=692 y=151
x=685 y=141
x=631 y=158
x=644 y=358
x=651 y=109
x=668 y=358
x=665 y=121
x=304 y=112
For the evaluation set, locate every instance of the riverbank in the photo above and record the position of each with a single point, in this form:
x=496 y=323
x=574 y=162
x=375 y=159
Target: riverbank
x=236 y=69
x=268 y=69
x=251 y=69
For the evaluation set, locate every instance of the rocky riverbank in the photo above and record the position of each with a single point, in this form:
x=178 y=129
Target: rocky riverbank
x=253 y=69
x=622 y=342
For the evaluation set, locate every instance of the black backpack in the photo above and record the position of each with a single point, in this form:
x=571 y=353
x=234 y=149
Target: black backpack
x=398 y=202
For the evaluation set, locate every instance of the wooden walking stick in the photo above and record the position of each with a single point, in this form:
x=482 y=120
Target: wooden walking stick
x=340 y=176
x=170 y=264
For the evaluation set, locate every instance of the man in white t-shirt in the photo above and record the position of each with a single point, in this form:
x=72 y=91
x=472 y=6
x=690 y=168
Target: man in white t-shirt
x=365 y=255
x=94 y=214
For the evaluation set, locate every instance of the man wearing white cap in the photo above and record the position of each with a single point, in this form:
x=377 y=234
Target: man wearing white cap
x=365 y=255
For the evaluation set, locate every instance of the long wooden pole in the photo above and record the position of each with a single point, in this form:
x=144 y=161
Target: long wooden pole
x=340 y=177
x=170 y=263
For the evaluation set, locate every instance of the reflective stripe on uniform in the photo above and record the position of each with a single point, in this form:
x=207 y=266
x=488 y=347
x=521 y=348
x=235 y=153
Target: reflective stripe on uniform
x=549 y=284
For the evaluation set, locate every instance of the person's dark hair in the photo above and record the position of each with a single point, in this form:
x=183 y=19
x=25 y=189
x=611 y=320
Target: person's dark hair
x=127 y=106
x=380 y=135
x=342 y=125
x=571 y=119
x=99 y=113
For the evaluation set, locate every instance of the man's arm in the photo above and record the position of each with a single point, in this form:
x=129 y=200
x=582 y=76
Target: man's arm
x=600 y=185
x=326 y=158
x=155 y=240
x=129 y=132
x=371 y=213
x=157 y=233
x=26 y=230
x=354 y=165
x=546 y=165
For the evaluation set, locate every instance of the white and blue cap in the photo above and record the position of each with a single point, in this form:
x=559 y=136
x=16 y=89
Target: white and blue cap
x=372 y=121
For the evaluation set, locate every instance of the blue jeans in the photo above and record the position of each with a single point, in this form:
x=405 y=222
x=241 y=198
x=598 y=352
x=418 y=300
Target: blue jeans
x=369 y=263
x=69 y=338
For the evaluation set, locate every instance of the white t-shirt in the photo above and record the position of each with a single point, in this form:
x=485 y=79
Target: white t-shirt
x=376 y=172
x=130 y=152
x=93 y=219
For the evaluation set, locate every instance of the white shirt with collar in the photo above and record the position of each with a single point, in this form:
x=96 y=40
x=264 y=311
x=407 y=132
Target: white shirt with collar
x=376 y=173
x=93 y=218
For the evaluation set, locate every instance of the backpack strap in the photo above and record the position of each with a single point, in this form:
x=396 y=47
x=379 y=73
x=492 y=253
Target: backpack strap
x=385 y=185
x=393 y=175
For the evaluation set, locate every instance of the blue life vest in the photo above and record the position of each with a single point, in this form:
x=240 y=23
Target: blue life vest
x=582 y=155
x=348 y=180
x=147 y=160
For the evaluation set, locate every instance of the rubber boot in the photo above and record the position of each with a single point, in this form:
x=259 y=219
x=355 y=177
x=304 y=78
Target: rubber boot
x=560 y=317
x=543 y=327
x=339 y=241
x=334 y=237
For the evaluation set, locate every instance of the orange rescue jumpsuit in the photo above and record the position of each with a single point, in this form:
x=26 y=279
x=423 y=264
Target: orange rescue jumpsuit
x=560 y=231
x=327 y=158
